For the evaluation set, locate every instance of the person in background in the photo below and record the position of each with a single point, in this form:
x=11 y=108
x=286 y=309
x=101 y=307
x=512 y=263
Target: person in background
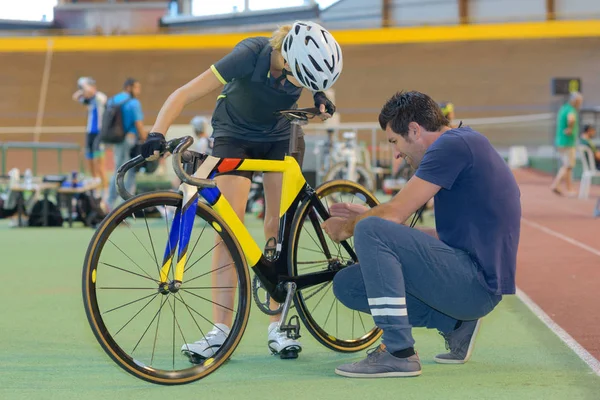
x=448 y=112
x=202 y=143
x=95 y=101
x=133 y=125
x=567 y=126
x=586 y=140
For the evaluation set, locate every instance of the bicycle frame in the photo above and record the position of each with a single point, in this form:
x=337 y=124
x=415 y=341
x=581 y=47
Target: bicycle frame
x=271 y=273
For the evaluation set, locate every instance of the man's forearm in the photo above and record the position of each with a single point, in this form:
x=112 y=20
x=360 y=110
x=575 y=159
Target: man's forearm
x=384 y=211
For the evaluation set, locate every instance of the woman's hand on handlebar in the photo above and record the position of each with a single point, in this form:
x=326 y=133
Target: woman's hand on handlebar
x=154 y=146
x=325 y=106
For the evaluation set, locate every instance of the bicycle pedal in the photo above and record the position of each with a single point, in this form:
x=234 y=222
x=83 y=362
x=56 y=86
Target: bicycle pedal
x=270 y=249
x=286 y=354
x=292 y=329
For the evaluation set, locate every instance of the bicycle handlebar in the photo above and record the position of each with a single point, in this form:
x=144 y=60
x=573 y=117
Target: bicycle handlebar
x=179 y=153
x=178 y=148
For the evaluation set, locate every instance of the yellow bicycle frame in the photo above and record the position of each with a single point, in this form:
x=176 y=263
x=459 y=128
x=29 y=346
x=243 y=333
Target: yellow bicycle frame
x=293 y=183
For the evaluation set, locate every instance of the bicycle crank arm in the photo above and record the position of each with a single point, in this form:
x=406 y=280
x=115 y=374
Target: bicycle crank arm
x=291 y=290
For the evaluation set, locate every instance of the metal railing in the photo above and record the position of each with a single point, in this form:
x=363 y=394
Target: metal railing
x=35 y=147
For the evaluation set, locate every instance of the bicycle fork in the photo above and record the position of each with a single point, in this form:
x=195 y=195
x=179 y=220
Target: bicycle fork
x=179 y=238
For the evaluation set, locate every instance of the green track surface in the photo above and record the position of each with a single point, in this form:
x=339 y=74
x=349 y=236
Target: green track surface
x=47 y=350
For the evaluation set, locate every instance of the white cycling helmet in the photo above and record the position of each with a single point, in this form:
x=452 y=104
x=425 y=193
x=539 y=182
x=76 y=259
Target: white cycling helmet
x=313 y=55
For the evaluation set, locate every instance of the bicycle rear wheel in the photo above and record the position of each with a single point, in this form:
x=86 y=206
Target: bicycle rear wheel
x=142 y=326
x=364 y=177
x=329 y=321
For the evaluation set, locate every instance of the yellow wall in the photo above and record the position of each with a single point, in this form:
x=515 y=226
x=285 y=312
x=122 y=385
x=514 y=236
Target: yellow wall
x=505 y=31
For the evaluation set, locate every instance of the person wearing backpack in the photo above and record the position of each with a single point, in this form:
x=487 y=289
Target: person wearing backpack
x=124 y=130
x=95 y=102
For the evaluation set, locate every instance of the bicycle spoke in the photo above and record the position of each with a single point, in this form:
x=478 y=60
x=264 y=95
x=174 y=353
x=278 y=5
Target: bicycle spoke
x=128 y=288
x=321 y=299
x=194 y=248
x=206 y=273
x=150 y=324
x=155 y=337
x=361 y=321
x=203 y=317
x=138 y=239
x=353 y=312
x=316 y=266
x=136 y=264
x=307 y=249
x=329 y=313
x=126 y=304
x=191 y=315
x=128 y=271
x=176 y=321
x=136 y=314
x=211 y=287
x=313 y=239
x=202 y=256
x=210 y=301
x=151 y=242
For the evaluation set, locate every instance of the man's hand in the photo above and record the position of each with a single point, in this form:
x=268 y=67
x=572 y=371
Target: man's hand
x=568 y=131
x=337 y=229
x=347 y=210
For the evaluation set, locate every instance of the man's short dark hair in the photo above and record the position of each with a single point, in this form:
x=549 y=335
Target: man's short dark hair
x=588 y=127
x=129 y=82
x=406 y=107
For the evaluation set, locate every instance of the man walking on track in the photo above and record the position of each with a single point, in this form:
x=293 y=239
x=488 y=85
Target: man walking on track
x=567 y=129
x=447 y=279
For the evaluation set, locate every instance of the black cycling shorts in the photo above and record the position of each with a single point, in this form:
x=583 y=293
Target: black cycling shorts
x=228 y=147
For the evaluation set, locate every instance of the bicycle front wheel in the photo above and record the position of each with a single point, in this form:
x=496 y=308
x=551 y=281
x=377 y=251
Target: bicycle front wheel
x=143 y=325
x=329 y=321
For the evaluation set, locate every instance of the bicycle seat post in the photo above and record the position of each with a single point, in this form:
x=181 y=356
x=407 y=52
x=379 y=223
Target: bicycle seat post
x=294 y=139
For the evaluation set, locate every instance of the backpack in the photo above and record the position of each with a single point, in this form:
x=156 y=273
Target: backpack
x=112 y=130
x=89 y=211
x=36 y=218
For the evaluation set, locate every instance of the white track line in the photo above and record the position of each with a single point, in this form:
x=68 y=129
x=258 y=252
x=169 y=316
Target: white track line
x=561 y=236
x=589 y=359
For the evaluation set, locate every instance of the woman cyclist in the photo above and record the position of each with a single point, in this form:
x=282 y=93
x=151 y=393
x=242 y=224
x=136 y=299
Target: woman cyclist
x=260 y=76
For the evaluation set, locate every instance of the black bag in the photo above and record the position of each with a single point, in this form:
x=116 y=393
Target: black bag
x=112 y=130
x=6 y=212
x=37 y=214
x=88 y=210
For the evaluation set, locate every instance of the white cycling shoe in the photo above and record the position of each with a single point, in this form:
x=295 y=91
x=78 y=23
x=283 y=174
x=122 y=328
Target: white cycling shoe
x=280 y=344
x=208 y=346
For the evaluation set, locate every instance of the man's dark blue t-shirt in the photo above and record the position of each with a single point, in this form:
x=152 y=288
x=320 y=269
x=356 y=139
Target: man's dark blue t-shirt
x=478 y=209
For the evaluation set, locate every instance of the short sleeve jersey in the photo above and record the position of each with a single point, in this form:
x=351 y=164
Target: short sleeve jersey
x=245 y=109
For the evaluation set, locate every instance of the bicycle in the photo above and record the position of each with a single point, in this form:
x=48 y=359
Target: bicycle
x=349 y=163
x=287 y=276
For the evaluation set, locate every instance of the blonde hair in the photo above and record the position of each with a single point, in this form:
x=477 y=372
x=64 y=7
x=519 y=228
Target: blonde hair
x=276 y=40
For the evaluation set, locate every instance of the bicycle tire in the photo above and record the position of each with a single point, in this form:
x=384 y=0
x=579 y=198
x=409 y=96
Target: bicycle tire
x=318 y=332
x=104 y=337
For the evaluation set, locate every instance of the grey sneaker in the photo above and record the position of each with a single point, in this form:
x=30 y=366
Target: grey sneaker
x=460 y=343
x=381 y=364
